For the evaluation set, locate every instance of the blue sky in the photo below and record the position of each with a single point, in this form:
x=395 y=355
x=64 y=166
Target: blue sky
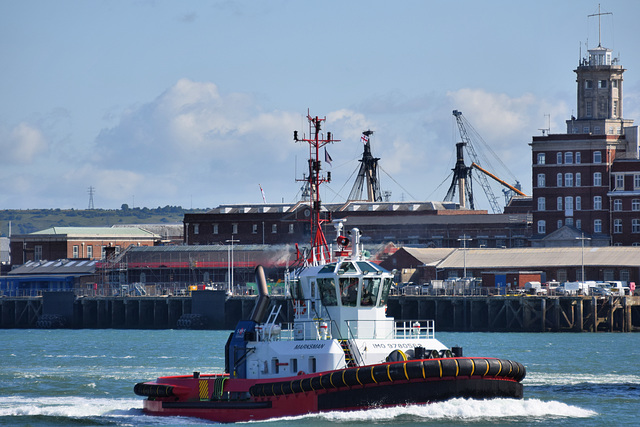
x=194 y=103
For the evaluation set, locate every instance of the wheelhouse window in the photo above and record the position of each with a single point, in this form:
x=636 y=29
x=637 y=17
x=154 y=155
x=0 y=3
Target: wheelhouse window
x=327 y=289
x=349 y=291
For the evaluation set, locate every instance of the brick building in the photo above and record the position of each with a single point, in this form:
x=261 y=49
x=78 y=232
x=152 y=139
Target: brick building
x=588 y=180
x=432 y=224
x=76 y=242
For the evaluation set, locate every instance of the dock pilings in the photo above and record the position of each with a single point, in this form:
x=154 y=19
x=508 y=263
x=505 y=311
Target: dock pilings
x=214 y=310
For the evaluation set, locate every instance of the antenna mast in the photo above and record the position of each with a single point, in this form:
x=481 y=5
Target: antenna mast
x=319 y=247
x=599 y=14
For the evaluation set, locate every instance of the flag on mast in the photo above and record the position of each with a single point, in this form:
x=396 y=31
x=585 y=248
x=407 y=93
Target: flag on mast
x=364 y=139
x=264 y=199
x=327 y=157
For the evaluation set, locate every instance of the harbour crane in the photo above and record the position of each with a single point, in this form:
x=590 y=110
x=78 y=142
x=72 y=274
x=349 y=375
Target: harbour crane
x=462 y=174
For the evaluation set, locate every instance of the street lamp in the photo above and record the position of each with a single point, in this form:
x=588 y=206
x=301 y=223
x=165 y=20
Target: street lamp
x=464 y=241
x=230 y=266
x=582 y=239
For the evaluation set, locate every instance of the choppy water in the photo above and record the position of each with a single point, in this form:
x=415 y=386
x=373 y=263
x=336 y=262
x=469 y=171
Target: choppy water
x=86 y=377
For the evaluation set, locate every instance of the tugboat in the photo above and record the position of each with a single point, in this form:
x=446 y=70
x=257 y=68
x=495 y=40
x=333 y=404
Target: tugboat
x=342 y=353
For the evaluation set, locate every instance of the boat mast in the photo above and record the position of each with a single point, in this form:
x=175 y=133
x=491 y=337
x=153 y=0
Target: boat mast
x=319 y=247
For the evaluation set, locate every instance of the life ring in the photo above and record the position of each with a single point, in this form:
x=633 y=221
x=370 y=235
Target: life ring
x=301 y=308
x=301 y=373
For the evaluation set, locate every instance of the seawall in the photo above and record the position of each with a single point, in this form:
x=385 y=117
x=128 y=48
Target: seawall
x=213 y=310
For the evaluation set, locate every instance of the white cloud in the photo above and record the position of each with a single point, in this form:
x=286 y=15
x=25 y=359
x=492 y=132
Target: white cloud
x=23 y=144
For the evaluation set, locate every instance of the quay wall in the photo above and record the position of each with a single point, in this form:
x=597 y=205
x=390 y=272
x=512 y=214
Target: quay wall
x=214 y=310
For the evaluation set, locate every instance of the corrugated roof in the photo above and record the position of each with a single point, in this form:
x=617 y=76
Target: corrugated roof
x=58 y=267
x=100 y=232
x=429 y=256
x=523 y=258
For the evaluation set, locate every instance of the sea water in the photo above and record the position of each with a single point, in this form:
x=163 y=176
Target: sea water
x=86 y=377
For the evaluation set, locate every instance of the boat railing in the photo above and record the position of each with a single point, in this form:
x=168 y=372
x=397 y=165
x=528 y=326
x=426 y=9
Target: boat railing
x=390 y=329
x=301 y=330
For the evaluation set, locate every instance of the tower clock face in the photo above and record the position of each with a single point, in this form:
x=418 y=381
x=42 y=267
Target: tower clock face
x=307 y=212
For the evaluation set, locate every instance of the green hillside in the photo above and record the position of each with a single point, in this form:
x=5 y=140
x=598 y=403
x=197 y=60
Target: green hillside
x=28 y=221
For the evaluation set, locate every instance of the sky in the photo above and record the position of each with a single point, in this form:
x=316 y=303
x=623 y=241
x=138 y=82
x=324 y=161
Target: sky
x=194 y=103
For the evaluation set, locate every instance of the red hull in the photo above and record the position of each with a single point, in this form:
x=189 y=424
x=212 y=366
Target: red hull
x=389 y=384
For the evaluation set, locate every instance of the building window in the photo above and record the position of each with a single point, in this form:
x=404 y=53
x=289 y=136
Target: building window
x=37 y=252
x=559 y=180
x=619 y=181
x=568 y=157
x=578 y=179
x=597 y=157
x=617 y=205
x=607 y=274
x=636 y=180
x=559 y=158
x=602 y=84
x=254 y=229
x=541 y=158
x=559 y=203
x=635 y=225
x=291 y=229
x=196 y=228
x=588 y=84
x=568 y=180
x=541 y=180
x=559 y=224
x=234 y=228
x=274 y=228
x=568 y=205
x=90 y=251
x=625 y=275
x=541 y=203
x=597 y=203
x=615 y=108
x=597 y=226
x=596 y=130
x=215 y=228
x=569 y=221
x=617 y=226
x=635 y=205
x=542 y=226
x=589 y=112
x=597 y=179
x=578 y=159
x=75 y=251
x=585 y=129
x=578 y=203
x=579 y=224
